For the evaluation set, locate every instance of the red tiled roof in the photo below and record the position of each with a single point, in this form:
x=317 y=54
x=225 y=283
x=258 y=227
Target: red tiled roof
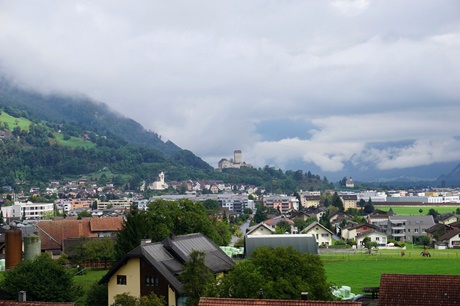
x=418 y=289
x=112 y=224
x=53 y=232
x=267 y=302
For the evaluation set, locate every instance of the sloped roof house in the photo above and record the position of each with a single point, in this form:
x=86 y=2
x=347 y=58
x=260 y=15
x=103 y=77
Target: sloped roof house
x=155 y=267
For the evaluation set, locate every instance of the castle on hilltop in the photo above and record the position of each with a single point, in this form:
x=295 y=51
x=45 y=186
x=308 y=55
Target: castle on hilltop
x=235 y=162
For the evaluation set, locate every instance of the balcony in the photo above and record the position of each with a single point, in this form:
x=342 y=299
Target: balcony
x=398 y=234
x=398 y=228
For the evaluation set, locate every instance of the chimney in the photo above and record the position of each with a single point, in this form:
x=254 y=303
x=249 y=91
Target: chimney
x=22 y=296
x=304 y=296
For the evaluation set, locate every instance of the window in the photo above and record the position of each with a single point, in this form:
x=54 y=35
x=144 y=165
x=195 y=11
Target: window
x=151 y=281
x=377 y=238
x=416 y=230
x=324 y=235
x=121 y=279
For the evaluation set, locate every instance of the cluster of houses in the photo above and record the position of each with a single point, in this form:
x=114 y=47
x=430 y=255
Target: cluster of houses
x=380 y=226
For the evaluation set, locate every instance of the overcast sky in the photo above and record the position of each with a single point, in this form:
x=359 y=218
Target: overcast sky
x=323 y=82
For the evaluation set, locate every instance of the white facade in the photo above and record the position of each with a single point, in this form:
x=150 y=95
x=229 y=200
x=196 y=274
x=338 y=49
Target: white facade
x=29 y=210
x=160 y=184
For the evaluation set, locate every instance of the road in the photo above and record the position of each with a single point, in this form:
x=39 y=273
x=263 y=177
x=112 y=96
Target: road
x=243 y=228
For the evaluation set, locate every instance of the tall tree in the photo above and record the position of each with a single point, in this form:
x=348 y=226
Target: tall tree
x=135 y=228
x=337 y=202
x=369 y=207
x=196 y=278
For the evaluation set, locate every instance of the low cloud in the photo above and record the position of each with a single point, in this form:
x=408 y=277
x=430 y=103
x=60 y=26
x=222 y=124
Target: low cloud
x=206 y=75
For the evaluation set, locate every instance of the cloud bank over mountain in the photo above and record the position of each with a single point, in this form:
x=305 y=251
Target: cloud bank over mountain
x=373 y=84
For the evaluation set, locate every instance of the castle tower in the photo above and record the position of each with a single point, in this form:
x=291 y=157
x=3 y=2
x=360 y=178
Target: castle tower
x=237 y=157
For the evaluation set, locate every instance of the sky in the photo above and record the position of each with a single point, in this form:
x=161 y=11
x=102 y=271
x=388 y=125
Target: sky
x=374 y=84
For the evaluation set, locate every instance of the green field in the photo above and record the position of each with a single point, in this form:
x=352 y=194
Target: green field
x=13 y=122
x=358 y=270
x=87 y=280
x=72 y=142
x=414 y=210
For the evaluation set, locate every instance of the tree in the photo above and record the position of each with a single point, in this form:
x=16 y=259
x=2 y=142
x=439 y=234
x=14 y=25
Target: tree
x=369 y=208
x=433 y=212
x=281 y=272
x=283 y=227
x=43 y=279
x=84 y=214
x=337 y=202
x=97 y=295
x=135 y=228
x=211 y=204
x=124 y=299
x=362 y=203
x=164 y=218
x=196 y=278
x=99 y=249
x=369 y=244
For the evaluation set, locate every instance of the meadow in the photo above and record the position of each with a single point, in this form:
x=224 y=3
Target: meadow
x=415 y=210
x=358 y=270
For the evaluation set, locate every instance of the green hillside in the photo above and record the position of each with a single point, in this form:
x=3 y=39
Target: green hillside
x=58 y=137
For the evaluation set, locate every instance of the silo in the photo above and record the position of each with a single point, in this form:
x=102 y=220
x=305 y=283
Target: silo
x=13 y=249
x=32 y=247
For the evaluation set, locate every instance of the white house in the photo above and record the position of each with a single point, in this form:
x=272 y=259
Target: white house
x=260 y=229
x=378 y=237
x=322 y=234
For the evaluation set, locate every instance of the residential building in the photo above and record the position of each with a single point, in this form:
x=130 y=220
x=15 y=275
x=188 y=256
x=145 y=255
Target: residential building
x=403 y=228
x=322 y=234
x=310 y=201
x=374 y=236
x=451 y=239
x=273 y=222
x=122 y=203
x=53 y=233
x=349 y=200
x=260 y=229
x=28 y=211
x=447 y=218
x=154 y=267
x=282 y=203
x=354 y=231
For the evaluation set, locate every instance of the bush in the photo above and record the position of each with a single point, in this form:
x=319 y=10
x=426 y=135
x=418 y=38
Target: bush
x=43 y=279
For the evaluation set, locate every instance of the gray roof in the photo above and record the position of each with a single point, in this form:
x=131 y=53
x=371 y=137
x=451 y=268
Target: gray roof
x=312 y=225
x=169 y=256
x=301 y=242
x=428 y=219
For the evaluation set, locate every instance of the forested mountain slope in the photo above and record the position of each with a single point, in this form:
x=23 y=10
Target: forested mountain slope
x=57 y=137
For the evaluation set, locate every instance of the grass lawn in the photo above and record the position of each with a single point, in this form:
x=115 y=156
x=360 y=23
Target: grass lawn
x=358 y=270
x=12 y=122
x=72 y=142
x=86 y=280
x=414 y=210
